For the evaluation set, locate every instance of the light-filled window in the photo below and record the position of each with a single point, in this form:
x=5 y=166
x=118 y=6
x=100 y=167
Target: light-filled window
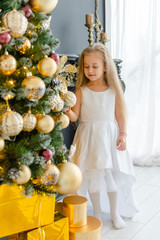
x=134 y=33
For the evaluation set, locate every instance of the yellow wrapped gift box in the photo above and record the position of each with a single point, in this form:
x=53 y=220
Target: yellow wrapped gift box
x=19 y=213
x=59 y=230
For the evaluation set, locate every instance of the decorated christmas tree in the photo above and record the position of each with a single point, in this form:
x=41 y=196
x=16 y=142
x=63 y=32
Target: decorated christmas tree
x=33 y=96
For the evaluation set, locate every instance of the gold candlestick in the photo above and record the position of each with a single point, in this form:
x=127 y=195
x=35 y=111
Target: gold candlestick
x=98 y=26
x=104 y=38
x=90 y=32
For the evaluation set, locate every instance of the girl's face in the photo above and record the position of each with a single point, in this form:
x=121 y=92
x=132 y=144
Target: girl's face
x=94 y=67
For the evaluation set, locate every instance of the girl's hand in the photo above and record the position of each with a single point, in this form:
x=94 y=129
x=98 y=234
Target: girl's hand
x=67 y=110
x=121 y=143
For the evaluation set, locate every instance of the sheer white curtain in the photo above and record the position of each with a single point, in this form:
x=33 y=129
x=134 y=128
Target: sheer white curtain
x=133 y=27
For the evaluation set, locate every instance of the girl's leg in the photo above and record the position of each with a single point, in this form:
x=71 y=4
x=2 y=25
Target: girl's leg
x=116 y=218
x=95 y=199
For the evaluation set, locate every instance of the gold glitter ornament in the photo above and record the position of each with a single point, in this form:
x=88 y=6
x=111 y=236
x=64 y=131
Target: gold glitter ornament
x=2 y=143
x=65 y=120
x=16 y=22
x=51 y=175
x=11 y=123
x=36 y=87
x=59 y=106
x=47 y=66
x=8 y=64
x=41 y=6
x=57 y=103
x=29 y=121
x=70 y=99
x=63 y=86
x=24 y=175
x=45 y=123
x=25 y=46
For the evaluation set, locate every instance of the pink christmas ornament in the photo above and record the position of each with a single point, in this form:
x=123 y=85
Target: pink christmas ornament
x=5 y=37
x=27 y=10
x=55 y=57
x=47 y=154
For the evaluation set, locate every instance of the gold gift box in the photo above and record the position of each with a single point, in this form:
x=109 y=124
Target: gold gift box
x=91 y=231
x=19 y=213
x=75 y=208
x=56 y=231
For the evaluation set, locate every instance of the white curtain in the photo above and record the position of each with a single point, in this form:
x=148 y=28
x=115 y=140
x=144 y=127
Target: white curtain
x=133 y=27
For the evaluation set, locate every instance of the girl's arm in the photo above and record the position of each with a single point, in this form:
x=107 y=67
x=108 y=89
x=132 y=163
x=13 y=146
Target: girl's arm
x=73 y=113
x=121 y=121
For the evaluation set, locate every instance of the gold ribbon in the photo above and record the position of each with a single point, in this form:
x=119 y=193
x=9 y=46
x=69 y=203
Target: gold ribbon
x=40 y=230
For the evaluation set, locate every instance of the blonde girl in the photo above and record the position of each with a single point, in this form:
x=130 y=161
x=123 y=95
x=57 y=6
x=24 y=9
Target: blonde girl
x=100 y=138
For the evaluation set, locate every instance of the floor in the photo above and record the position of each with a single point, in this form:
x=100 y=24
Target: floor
x=146 y=224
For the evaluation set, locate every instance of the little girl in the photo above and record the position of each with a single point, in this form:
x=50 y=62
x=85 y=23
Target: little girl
x=100 y=138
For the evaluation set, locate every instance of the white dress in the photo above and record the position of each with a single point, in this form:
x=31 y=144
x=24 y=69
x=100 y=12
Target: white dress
x=104 y=168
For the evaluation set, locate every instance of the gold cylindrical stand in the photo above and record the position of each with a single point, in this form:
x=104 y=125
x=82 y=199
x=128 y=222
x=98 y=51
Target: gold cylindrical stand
x=75 y=208
x=91 y=231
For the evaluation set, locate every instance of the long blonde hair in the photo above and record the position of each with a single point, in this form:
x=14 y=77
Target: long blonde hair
x=110 y=76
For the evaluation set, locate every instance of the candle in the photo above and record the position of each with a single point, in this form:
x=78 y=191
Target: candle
x=103 y=36
x=89 y=18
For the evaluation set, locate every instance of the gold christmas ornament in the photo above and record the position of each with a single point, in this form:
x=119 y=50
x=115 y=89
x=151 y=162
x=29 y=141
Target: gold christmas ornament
x=63 y=89
x=45 y=123
x=54 y=101
x=65 y=120
x=2 y=143
x=70 y=178
x=51 y=175
x=41 y=6
x=8 y=64
x=16 y=22
x=25 y=46
x=59 y=106
x=29 y=122
x=57 y=103
x=24 y=175
x=63 y=86
x=11 y=123
x=47 y=66
x=36 y=87
x=70 y=99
